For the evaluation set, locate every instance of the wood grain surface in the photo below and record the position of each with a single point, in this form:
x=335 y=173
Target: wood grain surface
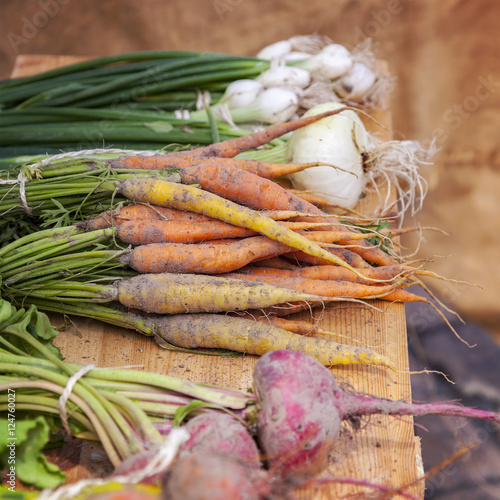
x=385 y=451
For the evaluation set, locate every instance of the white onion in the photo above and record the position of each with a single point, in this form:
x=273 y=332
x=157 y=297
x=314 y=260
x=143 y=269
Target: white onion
x=273 y=105
x=277 y=105
x=297 y=56
x=338 y=140
x=366 y=162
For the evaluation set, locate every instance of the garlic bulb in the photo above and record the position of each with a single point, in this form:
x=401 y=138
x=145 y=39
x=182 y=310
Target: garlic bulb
x=338 y=140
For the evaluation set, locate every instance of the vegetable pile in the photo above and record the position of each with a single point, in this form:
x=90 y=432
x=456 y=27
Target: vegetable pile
x=177 y=285
x=186 y=221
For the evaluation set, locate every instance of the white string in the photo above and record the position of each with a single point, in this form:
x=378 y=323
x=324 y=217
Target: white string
x=90 y=152
x=161 y=461
x=22 y=193
x=63 y=399
x=21 y=180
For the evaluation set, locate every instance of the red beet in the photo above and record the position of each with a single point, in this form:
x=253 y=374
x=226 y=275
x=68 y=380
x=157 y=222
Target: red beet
x=209 y=433
x=298 y=421
x=210 y=476
x=221 y=433
x=302 y=407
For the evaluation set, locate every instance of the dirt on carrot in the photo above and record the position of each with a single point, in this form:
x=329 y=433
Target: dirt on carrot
x=168 y=293
x=184 y=197
x=328 y=288
x=216 y=331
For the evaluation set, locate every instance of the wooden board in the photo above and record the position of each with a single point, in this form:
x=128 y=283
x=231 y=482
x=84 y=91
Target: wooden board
x=385 y=451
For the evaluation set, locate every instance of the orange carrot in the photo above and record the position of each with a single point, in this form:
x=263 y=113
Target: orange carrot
x=165 y=161
x=202 y=258
x=345 y=254
x=275 y=262
x=401 y=295
x=139 y=212
x=319 y=200
x=340 y=237
x=245 y=188
x=294 y=326
x=143 y=231
x=231 y=147
x=323 y=288
x=328 y=272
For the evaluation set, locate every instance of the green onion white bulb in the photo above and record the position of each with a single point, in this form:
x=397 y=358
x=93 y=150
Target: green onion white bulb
x=241 y=93
x=331 y=62
x=356 y=83
x=285 y=76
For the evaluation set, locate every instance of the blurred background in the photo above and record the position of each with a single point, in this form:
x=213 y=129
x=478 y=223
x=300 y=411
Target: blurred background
x=445 y=57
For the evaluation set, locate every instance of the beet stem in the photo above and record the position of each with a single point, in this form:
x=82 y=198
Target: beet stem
x=353 y=405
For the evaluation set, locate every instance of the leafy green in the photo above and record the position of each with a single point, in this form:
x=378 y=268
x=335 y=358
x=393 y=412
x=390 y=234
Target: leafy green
x=375 y=227
x=36 y=324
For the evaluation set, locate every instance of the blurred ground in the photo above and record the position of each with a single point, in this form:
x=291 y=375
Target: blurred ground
x=476 y=383
x=445 y=57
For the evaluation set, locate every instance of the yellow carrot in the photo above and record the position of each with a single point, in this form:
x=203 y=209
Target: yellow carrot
x=171 y=293
x=216 y=331
x=187 y=197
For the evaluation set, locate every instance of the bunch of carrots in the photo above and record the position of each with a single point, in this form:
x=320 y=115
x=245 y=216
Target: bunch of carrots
x=203 y=250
